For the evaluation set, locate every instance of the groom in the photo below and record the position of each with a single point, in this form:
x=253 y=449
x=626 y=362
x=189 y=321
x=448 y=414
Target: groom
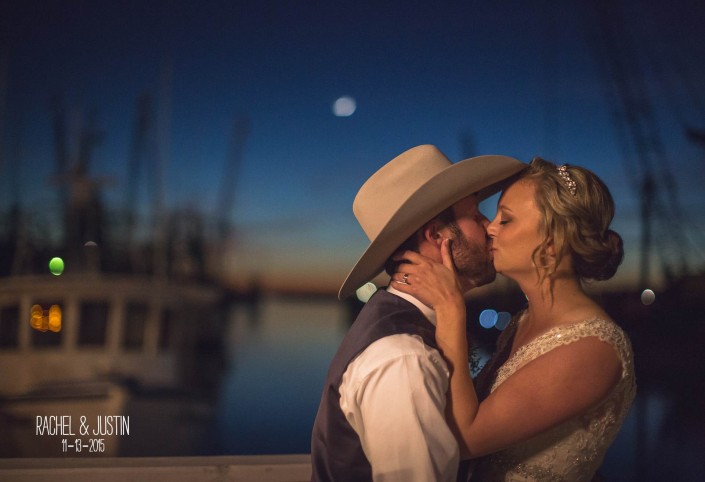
x=382 y=411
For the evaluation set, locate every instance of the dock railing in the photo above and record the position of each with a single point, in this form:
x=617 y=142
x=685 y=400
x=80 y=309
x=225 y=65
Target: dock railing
x=241 y=468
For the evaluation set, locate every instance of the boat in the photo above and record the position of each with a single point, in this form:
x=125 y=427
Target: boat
x=108 y=324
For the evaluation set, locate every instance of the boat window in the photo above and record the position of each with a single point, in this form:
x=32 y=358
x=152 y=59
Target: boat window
x=134 y=326
x=9 y=326
x=93 y=324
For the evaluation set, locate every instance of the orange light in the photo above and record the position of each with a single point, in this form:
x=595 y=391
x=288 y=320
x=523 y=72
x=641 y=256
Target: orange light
x=36 y=321
x=46 y=320
x=55 y=318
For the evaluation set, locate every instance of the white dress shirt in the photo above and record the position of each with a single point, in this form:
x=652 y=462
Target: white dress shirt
x=394 y=395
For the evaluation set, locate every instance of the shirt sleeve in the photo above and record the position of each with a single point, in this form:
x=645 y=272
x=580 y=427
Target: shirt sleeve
x=394 y=397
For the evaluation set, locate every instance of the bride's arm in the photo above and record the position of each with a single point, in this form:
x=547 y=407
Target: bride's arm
x=549 y=390
x=441 y=292
x=462 y=403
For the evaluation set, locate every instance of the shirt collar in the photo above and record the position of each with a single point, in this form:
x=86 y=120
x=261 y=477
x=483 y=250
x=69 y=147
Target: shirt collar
x=427 y=312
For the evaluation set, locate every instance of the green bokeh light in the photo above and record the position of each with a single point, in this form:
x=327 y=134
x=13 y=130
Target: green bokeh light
x=56 y=266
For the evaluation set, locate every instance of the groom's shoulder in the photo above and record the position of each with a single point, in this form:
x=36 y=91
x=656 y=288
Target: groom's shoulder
x=396 y=348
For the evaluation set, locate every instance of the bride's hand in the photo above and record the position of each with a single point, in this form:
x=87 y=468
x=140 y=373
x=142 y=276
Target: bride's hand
x=434 y=284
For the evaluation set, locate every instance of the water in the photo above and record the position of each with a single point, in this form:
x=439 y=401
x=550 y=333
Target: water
x=278 y=365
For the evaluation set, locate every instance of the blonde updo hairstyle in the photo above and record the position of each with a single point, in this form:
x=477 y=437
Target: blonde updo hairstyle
x=577 y=224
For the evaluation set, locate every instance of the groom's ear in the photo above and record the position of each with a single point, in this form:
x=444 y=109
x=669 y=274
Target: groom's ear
x=431 y=233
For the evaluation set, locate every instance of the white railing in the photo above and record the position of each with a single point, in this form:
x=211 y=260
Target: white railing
x=259 y=468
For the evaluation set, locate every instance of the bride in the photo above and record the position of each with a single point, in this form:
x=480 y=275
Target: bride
x=562 y=380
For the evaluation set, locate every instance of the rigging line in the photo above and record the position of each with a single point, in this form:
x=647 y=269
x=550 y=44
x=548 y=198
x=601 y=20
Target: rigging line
x=690 y=240
x=599 y=46
x=3 y=105
x=696 y=244
x=673 y=205
x=551 y=90
x=232 y=171
x=620 y=59
x=668 y=88
x=694 y=90
x=664 y=262
x=673 y=255
x=687 y=236
x=662 y=254
x=640 y=111
x=658 y=58
x=695 y=232
x=629 y=91
x=690 y=88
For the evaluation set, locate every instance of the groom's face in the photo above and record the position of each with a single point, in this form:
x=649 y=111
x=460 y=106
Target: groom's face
x=470 y=247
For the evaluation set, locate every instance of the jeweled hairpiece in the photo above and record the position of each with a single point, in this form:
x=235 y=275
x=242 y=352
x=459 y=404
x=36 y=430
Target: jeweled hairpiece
x=565 y=175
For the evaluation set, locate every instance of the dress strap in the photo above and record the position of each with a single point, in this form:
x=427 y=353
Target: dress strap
x=605 y=330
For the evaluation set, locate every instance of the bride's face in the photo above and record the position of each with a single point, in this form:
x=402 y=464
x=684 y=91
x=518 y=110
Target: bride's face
x=515 y=232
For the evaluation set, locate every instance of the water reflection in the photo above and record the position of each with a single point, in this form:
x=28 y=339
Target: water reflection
x=270 y=395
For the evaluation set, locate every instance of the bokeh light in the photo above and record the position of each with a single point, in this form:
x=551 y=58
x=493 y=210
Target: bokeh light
x=345 y=106
x=54 y=323
x=36 y=319
x=648 y=297
x=488 y=318
x=56 y=266
x=46 y=320
x=365 y=292
x=503 y=319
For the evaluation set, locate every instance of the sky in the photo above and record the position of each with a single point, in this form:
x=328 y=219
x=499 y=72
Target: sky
x=514 y=78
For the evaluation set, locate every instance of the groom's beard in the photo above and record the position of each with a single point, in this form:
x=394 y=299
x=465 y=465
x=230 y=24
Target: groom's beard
x=472 y=260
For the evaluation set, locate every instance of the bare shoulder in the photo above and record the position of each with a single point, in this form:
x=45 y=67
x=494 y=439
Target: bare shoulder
x=584 y=358
x=573 y=366
x=555 y=377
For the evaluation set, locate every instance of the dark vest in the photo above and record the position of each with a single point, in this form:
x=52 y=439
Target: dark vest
x=336 y=452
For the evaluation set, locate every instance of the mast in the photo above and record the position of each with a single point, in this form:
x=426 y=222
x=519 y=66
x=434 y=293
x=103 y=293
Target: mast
x=231 y=173
x=161 y=251
x=142 y=151
x=647 y=166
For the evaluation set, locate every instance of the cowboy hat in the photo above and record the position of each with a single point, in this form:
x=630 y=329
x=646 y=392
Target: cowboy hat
x=409 y=191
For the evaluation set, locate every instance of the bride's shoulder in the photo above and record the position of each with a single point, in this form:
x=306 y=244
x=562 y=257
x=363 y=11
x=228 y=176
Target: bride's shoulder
x=599 y=326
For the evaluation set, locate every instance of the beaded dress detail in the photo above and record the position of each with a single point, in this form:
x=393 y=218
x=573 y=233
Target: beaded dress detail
x=574 y=450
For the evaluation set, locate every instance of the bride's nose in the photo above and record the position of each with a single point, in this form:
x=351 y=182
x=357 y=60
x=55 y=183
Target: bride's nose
x=492 y=228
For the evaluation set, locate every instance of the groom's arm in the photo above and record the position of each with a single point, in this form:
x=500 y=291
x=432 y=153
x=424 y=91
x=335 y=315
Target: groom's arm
x=394 y=396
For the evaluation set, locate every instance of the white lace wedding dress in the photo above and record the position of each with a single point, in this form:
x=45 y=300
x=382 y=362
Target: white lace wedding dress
x=574 y=450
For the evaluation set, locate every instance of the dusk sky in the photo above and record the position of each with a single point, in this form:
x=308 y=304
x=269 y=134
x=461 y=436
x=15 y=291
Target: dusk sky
x=470 y=77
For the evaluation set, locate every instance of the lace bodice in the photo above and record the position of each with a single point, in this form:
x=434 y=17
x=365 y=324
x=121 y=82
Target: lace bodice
x=574 y=450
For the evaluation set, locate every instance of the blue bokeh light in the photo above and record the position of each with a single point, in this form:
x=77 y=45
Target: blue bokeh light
x=488 y=318
x=503 y=319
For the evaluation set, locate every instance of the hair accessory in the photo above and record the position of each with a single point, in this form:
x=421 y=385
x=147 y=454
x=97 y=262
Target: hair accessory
x=565 y=175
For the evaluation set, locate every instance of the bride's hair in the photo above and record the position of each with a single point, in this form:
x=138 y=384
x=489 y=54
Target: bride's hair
x=576 y=211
